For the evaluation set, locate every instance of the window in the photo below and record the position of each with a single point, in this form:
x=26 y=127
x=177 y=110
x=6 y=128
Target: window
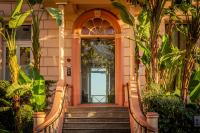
x=24 y=54
x=97 y=26
x=178 y=38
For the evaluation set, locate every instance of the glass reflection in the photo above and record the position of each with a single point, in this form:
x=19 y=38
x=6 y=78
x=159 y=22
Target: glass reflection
x=98 y=70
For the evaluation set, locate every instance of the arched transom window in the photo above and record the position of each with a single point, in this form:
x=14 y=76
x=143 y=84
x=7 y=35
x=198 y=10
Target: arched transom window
x=97 y=26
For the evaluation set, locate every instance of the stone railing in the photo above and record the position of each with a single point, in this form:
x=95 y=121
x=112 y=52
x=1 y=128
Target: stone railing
x=54 y=120
x=138 y=122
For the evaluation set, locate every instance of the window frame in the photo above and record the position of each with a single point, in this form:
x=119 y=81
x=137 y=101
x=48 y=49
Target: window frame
x=19 y=43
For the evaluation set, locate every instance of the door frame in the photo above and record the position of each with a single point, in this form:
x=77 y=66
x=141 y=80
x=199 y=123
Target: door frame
x=76 y=58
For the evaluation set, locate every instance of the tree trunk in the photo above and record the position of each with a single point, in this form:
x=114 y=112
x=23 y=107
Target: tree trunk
x=187 y=71
x=154 y=60
x=36 y=44
x=13 y=66
x=14 y=73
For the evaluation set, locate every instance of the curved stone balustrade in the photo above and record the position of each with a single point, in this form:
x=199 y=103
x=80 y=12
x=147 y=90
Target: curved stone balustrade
x=53 y=121
x=139 y=123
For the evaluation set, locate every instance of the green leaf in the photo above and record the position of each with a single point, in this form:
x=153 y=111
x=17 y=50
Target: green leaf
x=17 y=8
x=23 y=77
x=56 y=14
x=195 y=93
x=143 y=48
x=3 y=109
x=38 y=99
x=177 y=92
x=26 y=112
x=165 y=47
x=15 y=88
x=18 y=19
x=38 y=102
x=1 y=19
x=3 y=131
x=4 y=84
x=5 y=102
x=125 y=15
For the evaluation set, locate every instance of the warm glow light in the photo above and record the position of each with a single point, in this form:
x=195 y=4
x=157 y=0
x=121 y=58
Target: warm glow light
x=61 y=45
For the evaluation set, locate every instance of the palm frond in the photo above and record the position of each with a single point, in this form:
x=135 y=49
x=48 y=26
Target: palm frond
x=195 y=93
x=4 y=131
x=16 y=88
x=124 y=13
x=55 y=13
x=4 y=84
x=3 y=109
x=5 y=102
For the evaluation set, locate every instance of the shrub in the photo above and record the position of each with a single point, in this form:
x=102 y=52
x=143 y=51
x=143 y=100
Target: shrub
x=174 y=117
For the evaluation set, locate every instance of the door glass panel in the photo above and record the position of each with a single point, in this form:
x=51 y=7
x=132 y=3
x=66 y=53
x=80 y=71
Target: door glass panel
x=25 y=57
x=24 y=60
x=98 y=70
x=98 y=85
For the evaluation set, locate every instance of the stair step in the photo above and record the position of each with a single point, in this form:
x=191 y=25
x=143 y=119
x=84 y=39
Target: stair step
x=83 y=130
x=94 y=125
x=97 y=108
x=96 y=120
x=97 y=111
x=95 y=114
x=86 y=119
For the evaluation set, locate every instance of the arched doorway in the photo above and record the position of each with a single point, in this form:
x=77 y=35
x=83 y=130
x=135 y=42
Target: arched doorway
x=97 y=59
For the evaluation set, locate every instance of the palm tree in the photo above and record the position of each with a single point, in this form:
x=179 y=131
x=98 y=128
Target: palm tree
x=17 y=18
x=192 y=33
x=37 y=15
x=154 y=10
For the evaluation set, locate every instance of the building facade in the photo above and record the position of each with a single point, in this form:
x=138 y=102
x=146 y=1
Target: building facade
x=91 y=50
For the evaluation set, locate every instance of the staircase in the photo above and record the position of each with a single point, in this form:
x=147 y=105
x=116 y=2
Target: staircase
x=96 y=120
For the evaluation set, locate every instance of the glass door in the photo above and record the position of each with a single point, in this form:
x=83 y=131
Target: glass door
x=98 y=70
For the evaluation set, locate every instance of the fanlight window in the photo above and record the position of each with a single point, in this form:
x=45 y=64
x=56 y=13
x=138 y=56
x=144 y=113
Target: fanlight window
x=97 y=26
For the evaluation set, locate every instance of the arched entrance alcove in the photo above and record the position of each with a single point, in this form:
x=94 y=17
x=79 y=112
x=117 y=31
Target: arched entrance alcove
x=97 y=32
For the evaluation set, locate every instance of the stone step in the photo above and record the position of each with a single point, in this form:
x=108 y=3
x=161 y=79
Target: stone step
x=83 y=130
x=97 y=114
x=94 y=125
x=96 y=120
x=86 y=119
x=77 y=109
x=98 y=111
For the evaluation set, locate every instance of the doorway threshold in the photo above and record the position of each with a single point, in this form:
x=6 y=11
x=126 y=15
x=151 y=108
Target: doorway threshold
x=98 y=105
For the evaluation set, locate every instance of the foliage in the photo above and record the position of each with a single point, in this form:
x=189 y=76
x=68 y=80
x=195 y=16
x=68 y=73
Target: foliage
x=4 y=131
x=191 y=31
x=174 y=117
x=15 y=91
x=124 y=14
x=194 y=85
x=98 y=54
x=25 y=111
x=170 y=65
x=38 y=90
x=32 y=97
x=17 y=18
x=164 y=63
x=146 y=32
x=56 y=14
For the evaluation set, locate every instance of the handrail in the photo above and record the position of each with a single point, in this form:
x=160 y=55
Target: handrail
x=134 y=109
x=56 y=112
